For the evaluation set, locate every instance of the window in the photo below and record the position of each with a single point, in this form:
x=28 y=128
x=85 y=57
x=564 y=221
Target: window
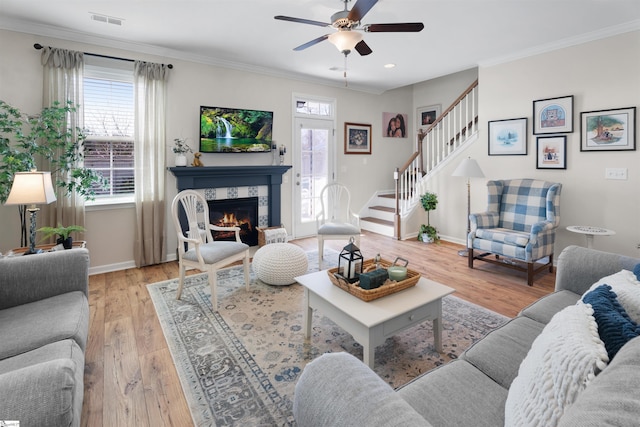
x=314 y=108
x=109 y=127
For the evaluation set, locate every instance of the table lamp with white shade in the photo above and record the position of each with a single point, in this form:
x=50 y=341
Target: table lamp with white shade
x=31 y=188
x=468 y=169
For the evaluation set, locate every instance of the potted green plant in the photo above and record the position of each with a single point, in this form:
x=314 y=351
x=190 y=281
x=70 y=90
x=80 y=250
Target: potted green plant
x=181 y=148
x=428 y=233
x=63 y=234
x=27 y=140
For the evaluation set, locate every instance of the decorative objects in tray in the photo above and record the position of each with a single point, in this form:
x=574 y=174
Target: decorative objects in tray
x=374 y=272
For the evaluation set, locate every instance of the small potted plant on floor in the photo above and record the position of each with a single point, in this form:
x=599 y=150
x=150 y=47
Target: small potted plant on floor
x=63 y=233
x=428 y=233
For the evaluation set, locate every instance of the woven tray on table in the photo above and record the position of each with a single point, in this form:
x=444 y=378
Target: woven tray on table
x=389 y=287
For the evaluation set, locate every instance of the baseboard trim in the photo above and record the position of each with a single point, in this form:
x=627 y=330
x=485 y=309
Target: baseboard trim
x=109 y=268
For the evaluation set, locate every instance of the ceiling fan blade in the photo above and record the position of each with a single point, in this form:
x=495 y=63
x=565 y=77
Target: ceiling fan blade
x=363 y=48
x=311 y=43
x=360 y=9
x=407 y=27
x=301 y=21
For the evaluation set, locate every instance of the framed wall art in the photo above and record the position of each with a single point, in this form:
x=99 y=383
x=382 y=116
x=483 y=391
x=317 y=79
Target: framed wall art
x=508 y=137
x=394 y=125
x=551 y=152
x=357 y=138
x=608 y=130
x=427 y=115
x=553 y=115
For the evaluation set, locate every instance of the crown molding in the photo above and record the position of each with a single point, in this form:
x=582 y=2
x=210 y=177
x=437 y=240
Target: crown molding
x=126 y=45
x=22 y=26
x=564 y=43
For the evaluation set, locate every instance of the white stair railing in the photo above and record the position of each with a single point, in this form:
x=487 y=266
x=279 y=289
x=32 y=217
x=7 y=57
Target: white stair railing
x=435 y=144
x=451 y=129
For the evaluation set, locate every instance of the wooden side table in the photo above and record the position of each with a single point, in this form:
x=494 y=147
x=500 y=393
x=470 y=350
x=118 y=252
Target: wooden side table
x=48 y=247
x=590 y=231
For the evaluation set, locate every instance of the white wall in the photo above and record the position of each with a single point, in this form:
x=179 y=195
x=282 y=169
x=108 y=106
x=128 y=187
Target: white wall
x=109 y=231
x=600 y=75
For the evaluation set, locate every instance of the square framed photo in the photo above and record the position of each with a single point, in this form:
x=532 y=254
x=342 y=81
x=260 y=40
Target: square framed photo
x=551 y=152
x=553 y=115
x=427 y=115
x=508 y=137
x=357 y=138
x=608 y=130
x=394 y=125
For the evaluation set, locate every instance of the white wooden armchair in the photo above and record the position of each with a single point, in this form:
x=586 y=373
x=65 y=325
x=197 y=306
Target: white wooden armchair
x=336 y=221
x=198 y=249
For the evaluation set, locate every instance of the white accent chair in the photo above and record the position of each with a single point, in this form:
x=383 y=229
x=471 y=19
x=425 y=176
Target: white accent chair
x=201 y=251
x=336 y=221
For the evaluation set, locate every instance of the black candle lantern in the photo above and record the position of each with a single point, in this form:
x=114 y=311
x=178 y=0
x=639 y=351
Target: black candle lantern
x=350 y=262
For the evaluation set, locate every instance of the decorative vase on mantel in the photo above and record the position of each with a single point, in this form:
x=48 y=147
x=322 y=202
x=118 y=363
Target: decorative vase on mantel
x=181 y=159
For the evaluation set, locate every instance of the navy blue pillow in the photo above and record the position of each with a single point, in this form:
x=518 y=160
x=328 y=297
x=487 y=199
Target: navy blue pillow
x=636 y=271
x=615 y=327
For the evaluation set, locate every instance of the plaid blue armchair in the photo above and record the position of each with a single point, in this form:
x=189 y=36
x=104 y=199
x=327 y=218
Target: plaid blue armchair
x=519 y=225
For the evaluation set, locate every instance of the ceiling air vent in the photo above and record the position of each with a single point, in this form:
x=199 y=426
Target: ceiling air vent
x=106 y=19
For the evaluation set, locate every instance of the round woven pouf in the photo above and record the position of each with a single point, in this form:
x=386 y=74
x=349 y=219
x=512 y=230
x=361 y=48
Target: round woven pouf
x=279 y=263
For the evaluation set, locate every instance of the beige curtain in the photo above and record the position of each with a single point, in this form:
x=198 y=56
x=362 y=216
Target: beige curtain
x=63 y=71
x=150 y=81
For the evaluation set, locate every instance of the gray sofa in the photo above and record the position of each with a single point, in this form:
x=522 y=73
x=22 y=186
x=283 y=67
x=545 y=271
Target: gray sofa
x=339 y=390
x=44 y=320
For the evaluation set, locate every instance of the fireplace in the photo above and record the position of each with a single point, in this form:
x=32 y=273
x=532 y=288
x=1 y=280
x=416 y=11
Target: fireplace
x=242 y=213
x=233 y=180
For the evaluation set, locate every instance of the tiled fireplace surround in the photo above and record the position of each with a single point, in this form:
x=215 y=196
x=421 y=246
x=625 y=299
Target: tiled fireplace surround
x=234 y=182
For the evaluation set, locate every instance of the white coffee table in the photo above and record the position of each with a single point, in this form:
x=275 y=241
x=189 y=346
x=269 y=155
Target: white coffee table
x=371 y=323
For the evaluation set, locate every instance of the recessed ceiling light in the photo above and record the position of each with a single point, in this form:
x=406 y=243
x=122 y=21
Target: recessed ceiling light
x=389 y=65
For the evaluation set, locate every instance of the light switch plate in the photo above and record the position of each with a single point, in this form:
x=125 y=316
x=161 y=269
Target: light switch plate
x=615 y=173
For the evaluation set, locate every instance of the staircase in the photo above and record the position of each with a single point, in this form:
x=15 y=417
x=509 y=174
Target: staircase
x=457 y=125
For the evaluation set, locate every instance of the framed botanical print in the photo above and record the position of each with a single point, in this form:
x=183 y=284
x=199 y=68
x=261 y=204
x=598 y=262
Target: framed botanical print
x=357 y=138
x=553 y=115
x=551 y=152
x=508 y=137
x=608 y=130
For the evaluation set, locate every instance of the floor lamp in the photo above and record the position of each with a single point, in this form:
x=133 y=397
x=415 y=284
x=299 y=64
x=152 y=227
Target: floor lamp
x=31 y=188
x=468 y=169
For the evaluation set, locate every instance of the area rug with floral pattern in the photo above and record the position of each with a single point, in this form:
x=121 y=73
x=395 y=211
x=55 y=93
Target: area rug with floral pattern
x=238 y=366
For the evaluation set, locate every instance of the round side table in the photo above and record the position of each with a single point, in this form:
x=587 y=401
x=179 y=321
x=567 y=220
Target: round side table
x=590 y=231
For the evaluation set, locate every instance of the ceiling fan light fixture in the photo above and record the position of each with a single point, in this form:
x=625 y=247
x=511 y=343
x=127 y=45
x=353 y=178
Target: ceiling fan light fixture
x=345 y=40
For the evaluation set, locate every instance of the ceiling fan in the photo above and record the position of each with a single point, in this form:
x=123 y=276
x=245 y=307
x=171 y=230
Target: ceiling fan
x=347 y=25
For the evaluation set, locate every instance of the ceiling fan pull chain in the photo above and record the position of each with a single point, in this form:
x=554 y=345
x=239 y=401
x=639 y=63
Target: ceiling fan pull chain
x=345 y=70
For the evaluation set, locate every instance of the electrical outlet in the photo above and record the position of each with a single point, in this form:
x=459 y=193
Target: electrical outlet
x=615 y=173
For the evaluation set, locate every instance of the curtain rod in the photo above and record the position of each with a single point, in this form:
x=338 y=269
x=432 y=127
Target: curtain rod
x=38 y=46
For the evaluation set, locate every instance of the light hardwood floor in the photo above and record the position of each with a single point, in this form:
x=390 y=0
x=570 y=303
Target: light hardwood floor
x=130 y=379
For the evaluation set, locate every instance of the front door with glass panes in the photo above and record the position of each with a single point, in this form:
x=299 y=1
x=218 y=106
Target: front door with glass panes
x=313 y=169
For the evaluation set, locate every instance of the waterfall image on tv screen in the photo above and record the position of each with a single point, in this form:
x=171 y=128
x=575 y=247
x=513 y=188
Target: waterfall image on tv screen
x=232 y=130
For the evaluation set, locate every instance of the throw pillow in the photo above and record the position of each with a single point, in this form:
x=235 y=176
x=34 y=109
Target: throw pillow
x=614 y=325
x=627 y=287
x=562 y=360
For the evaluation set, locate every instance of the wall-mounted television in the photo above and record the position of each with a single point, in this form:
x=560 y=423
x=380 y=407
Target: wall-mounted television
x=233 y=130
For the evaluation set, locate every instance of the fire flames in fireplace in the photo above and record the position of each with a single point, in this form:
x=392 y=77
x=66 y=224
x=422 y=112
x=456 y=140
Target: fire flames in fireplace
x=229 y=220
x=240 y=213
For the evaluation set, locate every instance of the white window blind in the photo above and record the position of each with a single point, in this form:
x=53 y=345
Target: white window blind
x=109 y=127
